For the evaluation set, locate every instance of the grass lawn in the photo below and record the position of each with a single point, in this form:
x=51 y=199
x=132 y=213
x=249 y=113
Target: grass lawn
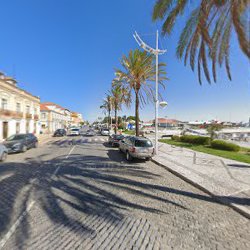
x=129 y=132
x=243 y=155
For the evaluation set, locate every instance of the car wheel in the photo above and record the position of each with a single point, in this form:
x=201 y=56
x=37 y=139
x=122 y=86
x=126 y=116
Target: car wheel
x=24 y=149
x=128 y=156
x=4 y=156
x=148 y=159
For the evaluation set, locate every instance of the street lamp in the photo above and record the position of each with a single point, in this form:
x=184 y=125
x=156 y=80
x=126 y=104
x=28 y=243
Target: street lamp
x=155 y=52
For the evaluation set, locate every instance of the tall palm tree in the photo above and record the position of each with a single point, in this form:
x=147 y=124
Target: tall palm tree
x=207 y=31
x=137 y=74
x=119 y=96
x=107 y=106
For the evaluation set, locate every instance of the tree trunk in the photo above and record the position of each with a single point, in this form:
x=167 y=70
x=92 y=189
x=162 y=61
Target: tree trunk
x=109 y=119
x=116 y=119
x=137 y=113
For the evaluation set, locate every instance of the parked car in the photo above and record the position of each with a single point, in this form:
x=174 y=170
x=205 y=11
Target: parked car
x=115 y=139
x=137 y=147
x=105 y=131
x=20 y=143
x=74 y=131
x=60 y=132
x=90 y=132
x=3 y=152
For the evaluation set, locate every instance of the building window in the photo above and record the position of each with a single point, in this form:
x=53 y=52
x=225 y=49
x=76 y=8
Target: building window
x=18 y=107
x=35 y=111
x=4 y=103
x=27 y=109
x=17 y=127
x=43 y=116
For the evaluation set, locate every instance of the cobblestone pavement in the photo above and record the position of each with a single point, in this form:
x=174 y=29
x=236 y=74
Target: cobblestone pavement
x=76 y=194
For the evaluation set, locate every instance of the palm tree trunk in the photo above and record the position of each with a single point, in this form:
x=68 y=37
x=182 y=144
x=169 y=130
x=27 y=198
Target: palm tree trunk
x=137 y=113
x=109 y=118
x=116 y=119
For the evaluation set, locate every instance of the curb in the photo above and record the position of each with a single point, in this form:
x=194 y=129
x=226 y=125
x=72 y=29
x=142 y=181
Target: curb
x=223 y=201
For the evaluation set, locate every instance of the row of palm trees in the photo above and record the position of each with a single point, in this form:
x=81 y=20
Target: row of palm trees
x=133 y=82
x=206 y=36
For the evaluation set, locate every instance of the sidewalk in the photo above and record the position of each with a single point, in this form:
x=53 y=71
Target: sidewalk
x=226 y=180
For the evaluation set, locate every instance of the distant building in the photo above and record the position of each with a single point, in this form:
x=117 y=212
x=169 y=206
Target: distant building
x=19 y=110
x=167 y=123
x=76 y=119
x=54 y=117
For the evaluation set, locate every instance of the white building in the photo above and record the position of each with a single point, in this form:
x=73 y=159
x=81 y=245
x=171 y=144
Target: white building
x=19 y=110
x=54 y=117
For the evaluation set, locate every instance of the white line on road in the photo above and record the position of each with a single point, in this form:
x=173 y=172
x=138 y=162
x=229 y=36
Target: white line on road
x=13 y=228
x=15 y=225
x=67 y=156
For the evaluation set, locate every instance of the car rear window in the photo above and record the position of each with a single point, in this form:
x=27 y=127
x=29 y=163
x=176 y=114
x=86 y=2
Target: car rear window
x=16 y=137
x=143 y=143
x=75 y=129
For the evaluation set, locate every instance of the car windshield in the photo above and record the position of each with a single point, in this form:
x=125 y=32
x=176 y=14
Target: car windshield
x=105 y=130
x=118 y=137
x=16 y=137
x=143 y=143
x=75 y=129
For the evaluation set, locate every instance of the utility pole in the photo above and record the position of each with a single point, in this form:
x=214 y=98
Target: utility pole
x=155 y=52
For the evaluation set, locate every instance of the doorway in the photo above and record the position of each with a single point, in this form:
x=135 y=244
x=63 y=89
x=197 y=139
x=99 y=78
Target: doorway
x=5 y=130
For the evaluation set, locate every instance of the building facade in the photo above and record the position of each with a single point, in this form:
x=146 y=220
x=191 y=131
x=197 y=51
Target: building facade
x=19 y=110
x=76 y=119
x=54 y=117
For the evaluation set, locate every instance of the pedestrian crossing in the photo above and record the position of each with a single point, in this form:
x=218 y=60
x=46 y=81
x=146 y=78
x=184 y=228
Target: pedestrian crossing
x=77 y=141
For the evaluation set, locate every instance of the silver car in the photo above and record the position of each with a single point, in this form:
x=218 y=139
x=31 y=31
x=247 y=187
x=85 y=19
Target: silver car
x=137 y=147
x=3 y=152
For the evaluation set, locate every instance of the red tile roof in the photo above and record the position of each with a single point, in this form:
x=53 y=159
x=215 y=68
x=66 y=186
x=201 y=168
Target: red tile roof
x=44 y=107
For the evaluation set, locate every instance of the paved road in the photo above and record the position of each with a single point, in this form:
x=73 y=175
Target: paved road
x=81 y=194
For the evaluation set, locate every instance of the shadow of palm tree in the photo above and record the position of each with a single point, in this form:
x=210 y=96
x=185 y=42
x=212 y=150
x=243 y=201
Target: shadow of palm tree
x=85 y=185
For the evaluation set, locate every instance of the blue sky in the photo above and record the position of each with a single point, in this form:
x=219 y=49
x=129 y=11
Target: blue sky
x=65 y=51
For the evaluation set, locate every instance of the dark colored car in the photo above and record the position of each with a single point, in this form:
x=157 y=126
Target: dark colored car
x=59 y=132
x=20 y=143
x=115 y=139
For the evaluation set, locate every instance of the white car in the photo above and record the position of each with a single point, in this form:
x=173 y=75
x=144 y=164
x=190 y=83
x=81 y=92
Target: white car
x=74 y=131
x=105 y=132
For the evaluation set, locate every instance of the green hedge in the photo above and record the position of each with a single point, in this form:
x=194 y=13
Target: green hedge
x=176 y=138
x=195 y=139
x=218 y=144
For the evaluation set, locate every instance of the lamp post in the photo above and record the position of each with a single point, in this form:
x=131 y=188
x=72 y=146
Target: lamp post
x=156 y=52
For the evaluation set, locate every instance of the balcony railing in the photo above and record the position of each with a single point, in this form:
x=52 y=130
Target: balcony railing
x=10 y=113
x=28 y=116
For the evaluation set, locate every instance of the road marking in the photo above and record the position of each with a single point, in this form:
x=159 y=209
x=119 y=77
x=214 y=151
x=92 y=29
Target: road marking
x=67 y=156
x=15 y=225
x=70 y=152
x=13 y=228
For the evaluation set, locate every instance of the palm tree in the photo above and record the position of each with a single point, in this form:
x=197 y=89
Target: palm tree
x=138 y=71
x=119 y=96
x=107 y=106
x=207 y=31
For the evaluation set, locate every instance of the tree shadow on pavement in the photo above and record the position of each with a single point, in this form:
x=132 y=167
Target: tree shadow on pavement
x=81 y=185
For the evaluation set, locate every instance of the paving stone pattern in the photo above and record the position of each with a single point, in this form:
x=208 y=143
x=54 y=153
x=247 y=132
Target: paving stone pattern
x=97 y=200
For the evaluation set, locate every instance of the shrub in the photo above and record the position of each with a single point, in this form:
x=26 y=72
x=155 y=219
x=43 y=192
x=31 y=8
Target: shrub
x=218 y=144
x=175 y=138
x=195 y=139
